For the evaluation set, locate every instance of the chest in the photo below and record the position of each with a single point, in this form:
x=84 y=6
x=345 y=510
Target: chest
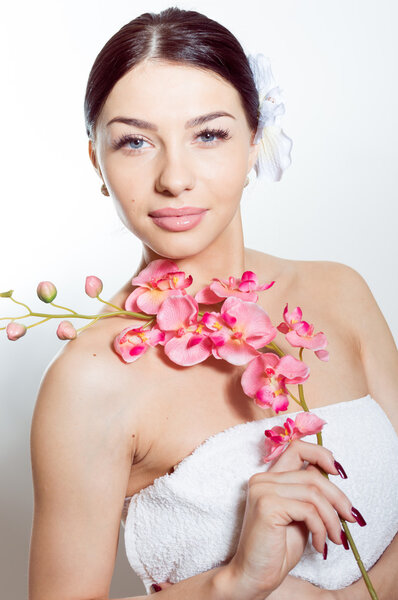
x=186 y=405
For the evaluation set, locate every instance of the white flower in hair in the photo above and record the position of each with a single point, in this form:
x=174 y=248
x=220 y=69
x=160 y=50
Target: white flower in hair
x=274 y=154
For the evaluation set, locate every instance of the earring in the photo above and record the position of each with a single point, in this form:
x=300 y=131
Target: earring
x=104 y=190
x=247 y=182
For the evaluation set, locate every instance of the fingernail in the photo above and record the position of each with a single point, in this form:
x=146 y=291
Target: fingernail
x=359 y=518
x=155 y=587
x=340 y=469
x=344 y=539
x=325 y=551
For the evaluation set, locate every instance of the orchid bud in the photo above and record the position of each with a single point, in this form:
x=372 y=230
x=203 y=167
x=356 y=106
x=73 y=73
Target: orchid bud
x=15 y=331
x=93 y=286
x=66 y=331
x=46 y=291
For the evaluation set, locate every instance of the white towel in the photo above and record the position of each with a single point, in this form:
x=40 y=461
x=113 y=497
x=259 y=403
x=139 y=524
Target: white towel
x=189 y=521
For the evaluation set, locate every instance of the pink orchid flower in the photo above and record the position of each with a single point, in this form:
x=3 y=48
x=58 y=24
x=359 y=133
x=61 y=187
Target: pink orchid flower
x=244 y=288
x=160 y=279
x=300 y=334
x=133 y=342
x=186 y=340
x=291 y=319
x=278 y=438
x=266 y=376
x=240 y=328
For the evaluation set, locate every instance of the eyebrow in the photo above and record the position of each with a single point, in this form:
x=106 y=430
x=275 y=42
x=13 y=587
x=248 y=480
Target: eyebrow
x=191 y=123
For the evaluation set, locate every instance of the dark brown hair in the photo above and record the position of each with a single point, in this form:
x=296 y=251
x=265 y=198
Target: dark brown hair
x=183 y=36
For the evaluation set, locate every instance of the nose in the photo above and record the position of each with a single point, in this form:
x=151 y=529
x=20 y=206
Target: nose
x=175 y=173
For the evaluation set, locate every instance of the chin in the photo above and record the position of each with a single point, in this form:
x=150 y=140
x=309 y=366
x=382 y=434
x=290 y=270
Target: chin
x=175 y=249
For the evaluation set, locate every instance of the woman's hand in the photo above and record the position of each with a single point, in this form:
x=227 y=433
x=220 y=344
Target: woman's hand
x=282 y=506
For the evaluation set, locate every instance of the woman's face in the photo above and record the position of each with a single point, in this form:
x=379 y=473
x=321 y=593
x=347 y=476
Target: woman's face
x=167 y=160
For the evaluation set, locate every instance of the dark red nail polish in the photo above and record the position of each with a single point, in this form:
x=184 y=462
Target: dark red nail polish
x=359 y=518
x=155 y=587
x=325 y=551
x=344 y=539
x=340 y=469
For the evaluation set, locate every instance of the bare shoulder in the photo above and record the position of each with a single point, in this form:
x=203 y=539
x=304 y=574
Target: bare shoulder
x=320 y=276
x=350 y=298
x=91 y=381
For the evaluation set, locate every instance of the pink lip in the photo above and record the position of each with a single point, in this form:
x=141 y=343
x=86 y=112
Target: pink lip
x=176 y=212
x=177 y=219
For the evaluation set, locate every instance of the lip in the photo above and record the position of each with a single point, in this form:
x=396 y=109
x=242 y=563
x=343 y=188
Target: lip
x=173 y=219
x=177 y=212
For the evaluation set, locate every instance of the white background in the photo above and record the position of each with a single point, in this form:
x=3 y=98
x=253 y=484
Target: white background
x=336 y=64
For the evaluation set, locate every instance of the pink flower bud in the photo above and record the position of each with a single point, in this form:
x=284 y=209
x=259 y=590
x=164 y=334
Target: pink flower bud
x=46 y=291
x=66 y=331
x=15 y=330
x=93 y=286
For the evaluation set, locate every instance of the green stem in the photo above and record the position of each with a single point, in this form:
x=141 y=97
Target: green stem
x=38 y=323
x=365 y=575
x=275 y=348
x=14 y=318
x=63 y=307
x=108 y=303
x=79 y=316
x=85 y=326
x=21 y=303
x=295 y=399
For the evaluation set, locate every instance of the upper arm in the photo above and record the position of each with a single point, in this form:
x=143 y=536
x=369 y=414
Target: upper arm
x=375 y=341
x=81 y=451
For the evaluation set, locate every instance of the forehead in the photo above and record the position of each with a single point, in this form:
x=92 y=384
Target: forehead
x=157 y=89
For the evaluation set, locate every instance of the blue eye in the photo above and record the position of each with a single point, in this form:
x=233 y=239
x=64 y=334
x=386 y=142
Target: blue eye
x=127 y=139
x=220 y=133
x=137 y=141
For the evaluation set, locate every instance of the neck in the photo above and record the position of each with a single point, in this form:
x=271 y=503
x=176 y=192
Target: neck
x=224 y=257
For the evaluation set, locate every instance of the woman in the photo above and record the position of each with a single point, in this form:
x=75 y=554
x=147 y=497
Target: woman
x=105 y=432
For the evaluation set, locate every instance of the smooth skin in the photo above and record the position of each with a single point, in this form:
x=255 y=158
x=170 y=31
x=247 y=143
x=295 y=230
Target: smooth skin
x=95 y=416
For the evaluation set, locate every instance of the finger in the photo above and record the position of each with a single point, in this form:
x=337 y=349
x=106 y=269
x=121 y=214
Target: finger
x=293 y=458
x=296 y=510
x=157 y=587
x=311 y=494
x=273 y=483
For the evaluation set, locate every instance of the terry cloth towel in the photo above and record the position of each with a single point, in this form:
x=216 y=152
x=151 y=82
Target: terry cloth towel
x=189 y=521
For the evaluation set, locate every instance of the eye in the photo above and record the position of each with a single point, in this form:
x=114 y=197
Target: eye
x=220 y=133
x=137 y=141
x=127 y=139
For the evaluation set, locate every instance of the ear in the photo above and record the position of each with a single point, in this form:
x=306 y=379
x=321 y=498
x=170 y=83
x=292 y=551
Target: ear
x=253 y=153
x=93 y=157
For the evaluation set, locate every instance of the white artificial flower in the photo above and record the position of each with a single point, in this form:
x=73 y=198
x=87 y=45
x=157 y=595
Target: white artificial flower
x=274 y=155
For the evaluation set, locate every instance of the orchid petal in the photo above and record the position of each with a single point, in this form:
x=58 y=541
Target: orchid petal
x=177 y=311
x=178 y=351
x=151 y=300
x=236 y=352
x=131 y=300
x=274 y=157
x=295 y=371
x=156 y=269
x=307 y=423
x=254 y=376
x=322 y=354
x=207 y=296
